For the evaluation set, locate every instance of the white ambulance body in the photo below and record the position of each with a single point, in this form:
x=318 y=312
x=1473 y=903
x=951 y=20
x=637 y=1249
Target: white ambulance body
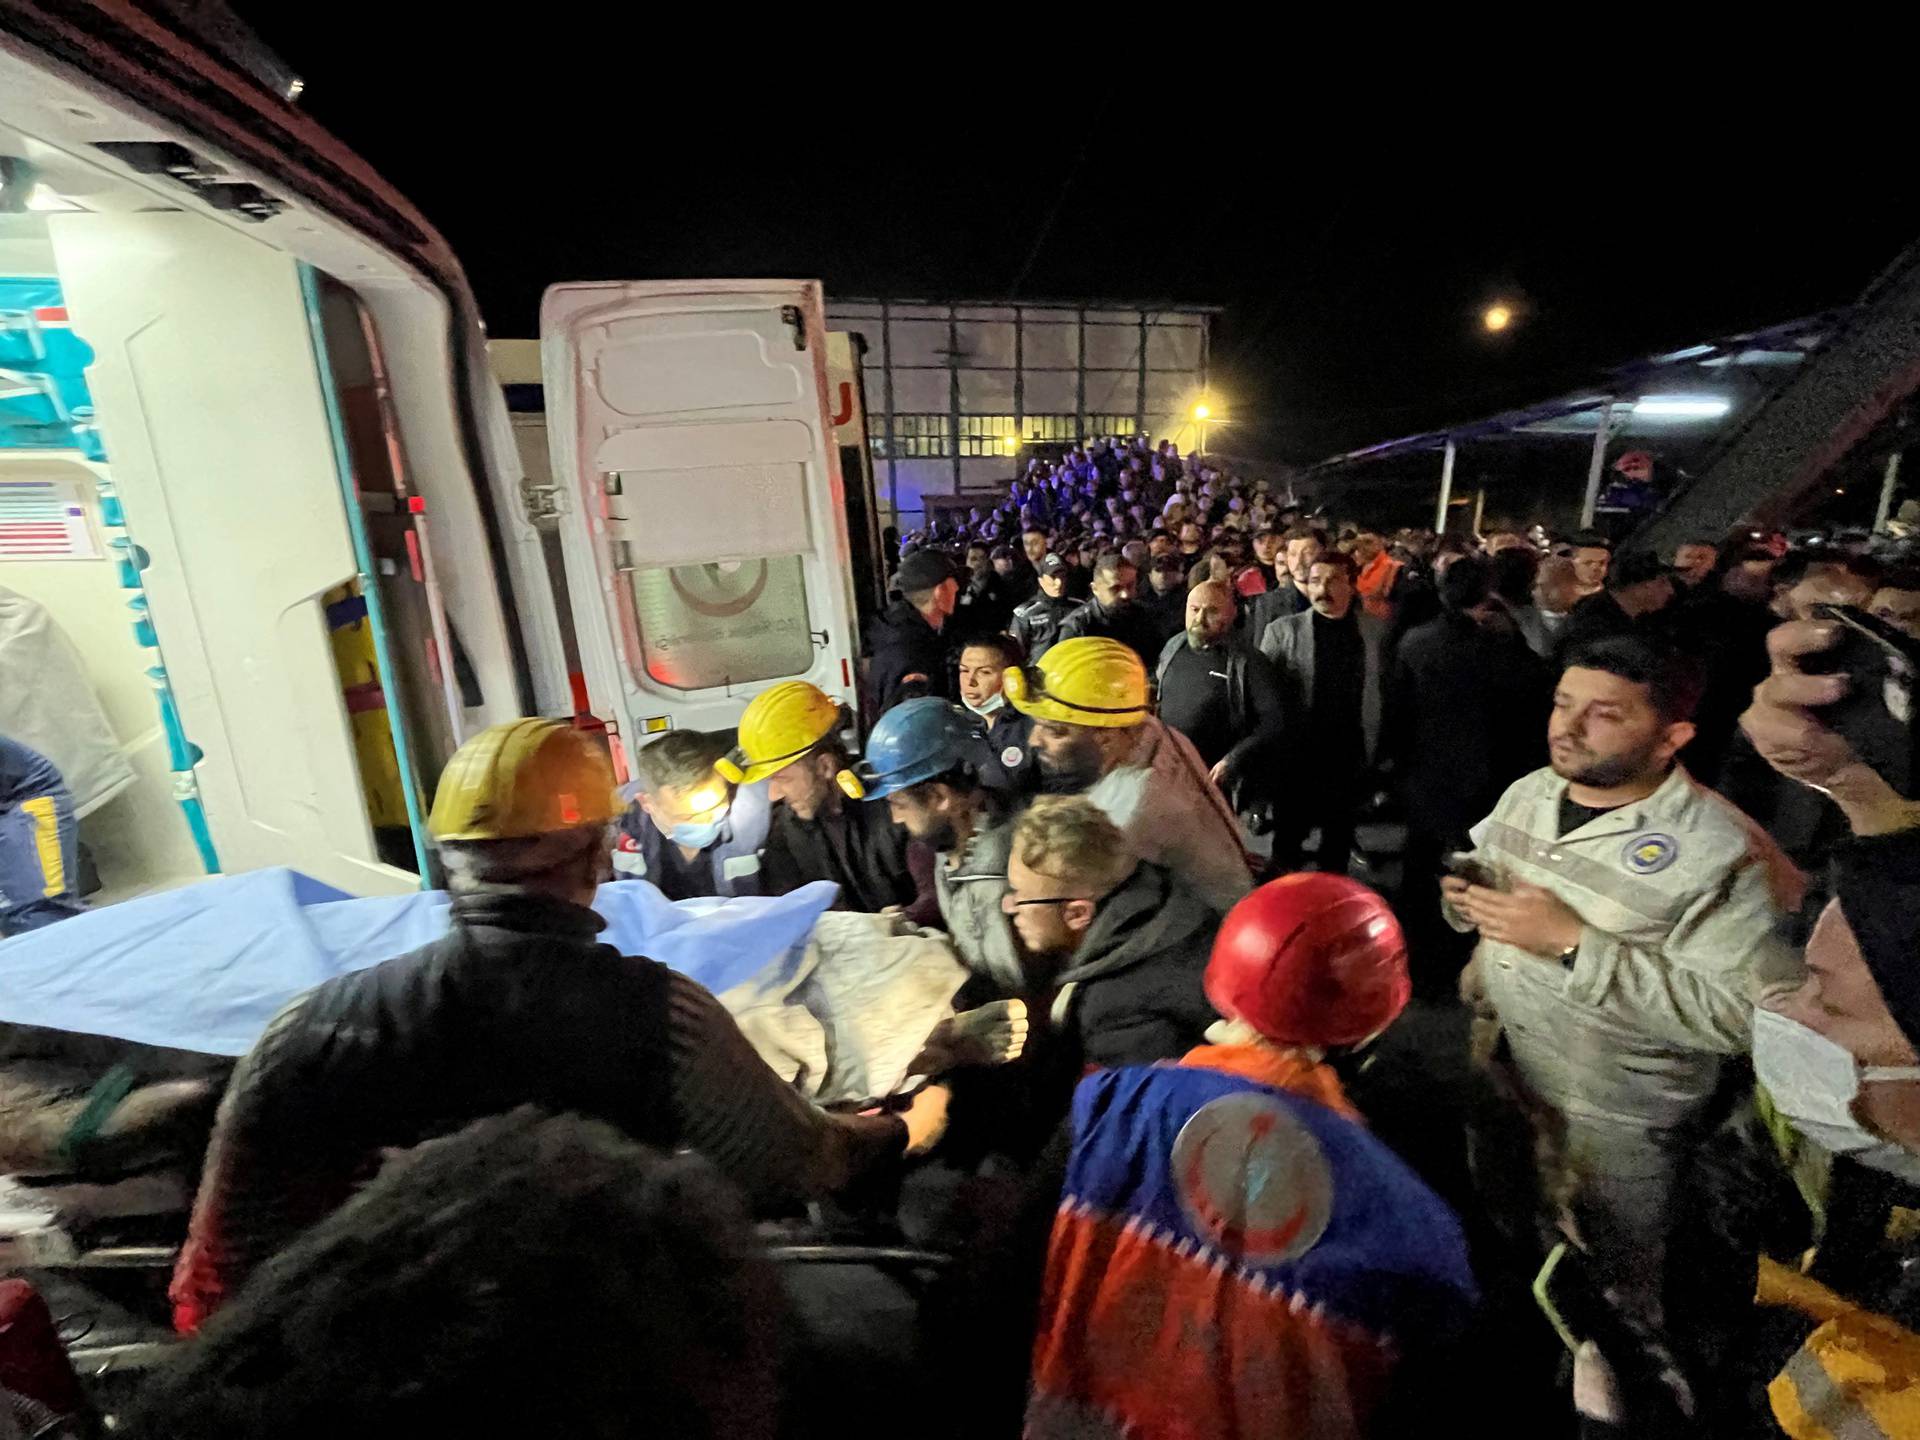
x=268 y=526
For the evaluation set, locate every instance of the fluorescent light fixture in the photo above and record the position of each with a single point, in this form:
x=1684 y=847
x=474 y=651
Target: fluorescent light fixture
x=1682 y=407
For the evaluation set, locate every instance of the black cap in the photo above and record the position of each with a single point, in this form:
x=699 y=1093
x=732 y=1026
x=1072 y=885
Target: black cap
x=1054 y=565
x=923 y=570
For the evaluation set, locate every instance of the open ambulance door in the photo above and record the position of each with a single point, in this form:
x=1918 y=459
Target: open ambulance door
x=703 y=514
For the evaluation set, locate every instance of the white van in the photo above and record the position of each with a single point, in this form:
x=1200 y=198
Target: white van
x=699 y=447
x=264 y=560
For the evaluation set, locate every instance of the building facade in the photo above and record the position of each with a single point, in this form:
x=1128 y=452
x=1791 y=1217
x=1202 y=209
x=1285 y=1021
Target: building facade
x=955 y=392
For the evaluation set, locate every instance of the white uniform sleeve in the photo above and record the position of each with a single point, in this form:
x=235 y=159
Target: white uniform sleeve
x=1697 y=987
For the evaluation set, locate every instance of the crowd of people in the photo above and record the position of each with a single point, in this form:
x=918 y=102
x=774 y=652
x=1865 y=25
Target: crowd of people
x=1198 y=844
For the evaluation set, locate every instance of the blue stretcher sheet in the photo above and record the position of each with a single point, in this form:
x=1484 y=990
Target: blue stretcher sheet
x=204 y=968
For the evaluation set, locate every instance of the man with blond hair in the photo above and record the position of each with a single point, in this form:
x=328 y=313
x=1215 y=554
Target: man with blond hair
x=1116 y=948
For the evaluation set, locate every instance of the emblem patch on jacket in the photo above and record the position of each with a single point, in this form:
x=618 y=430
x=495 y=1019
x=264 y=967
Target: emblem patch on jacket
x=1252 y=1180
x=1650 y=854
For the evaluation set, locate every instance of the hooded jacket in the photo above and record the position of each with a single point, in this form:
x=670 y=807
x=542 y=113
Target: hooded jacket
x=1131 y=993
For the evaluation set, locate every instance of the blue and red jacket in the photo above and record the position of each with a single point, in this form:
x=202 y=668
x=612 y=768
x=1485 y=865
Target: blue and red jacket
x=1233 y=1260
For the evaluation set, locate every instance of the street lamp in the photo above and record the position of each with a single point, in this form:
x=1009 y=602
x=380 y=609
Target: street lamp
x=1202 y=412
x=1496 y=317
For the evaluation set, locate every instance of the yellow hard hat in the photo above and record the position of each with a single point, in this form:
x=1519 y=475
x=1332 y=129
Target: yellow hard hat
x=521 y=779
x=777 y=728
x=1087 y=681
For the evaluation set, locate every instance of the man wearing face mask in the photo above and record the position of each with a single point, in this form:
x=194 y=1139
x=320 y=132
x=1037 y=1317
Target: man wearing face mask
x=1094 y=734
x=689 y=832
x=1009 y=765
x=1628 y=920
x=1803 y=1195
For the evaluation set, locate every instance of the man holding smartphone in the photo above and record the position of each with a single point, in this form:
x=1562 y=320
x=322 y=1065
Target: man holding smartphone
x=1620 y=955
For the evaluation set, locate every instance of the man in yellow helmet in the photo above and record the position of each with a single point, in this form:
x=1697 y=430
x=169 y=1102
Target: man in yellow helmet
x=1094 y=734
x=517 y=1004
x=790 y=737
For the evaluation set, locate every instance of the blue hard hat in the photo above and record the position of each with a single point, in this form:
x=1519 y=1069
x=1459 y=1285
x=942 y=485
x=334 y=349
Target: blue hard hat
x=918 y=740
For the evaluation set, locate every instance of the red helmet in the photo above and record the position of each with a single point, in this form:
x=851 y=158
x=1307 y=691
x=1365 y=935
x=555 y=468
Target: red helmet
x=1310 y=960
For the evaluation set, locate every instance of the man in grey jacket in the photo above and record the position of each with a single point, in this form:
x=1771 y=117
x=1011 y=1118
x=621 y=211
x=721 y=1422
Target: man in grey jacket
x=1332 y=660
x=1627 y=920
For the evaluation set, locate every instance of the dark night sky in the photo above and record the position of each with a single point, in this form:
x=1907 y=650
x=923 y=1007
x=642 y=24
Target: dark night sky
x=1353 y=269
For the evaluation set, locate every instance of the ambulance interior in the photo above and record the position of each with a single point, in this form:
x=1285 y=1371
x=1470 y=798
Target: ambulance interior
x=198 y=462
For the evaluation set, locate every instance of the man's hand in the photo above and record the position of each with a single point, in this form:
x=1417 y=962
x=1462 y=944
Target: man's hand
x=993 y=1034
x=1453 y=890
x=1218 y=775
x=1788 y=735
x=1535 y=920
x=926 y=1118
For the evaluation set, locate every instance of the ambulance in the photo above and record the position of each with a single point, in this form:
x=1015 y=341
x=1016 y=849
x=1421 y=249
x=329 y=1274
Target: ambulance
x=268 y=547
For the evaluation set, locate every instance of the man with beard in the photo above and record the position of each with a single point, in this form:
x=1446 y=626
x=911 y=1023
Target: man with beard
x=1094 y=734
x=1220 y=692
x=1627 y=921
x=1113 y=612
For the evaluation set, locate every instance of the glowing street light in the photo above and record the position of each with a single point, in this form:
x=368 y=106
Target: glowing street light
x=1203 y=412
x=1496 y=317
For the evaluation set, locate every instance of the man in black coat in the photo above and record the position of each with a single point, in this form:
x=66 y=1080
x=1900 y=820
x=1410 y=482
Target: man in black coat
x=1114 y=614
x=1223 y=695
x=1036 y=624
x=1637 y=587
x=909 y=642
x=1466 y=718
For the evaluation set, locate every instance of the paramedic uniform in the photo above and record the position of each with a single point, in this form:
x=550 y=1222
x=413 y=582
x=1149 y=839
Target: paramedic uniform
x=1680 y=895
x=37 y=842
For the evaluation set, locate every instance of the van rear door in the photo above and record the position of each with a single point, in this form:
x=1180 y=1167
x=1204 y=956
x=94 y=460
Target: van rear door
x=704 y=528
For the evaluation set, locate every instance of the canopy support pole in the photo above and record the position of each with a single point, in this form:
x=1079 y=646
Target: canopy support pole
x=1446 y=490
x=1595 y=466
x=1888 y=484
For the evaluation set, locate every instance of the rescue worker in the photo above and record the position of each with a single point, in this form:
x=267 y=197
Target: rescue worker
x=1234 y=1253
x=38 y=842
x=790 y=738
x=1094 y=735
x=1114 y=613
x=1115 y=944
x=927 y=760
x=909 y=643
x=1009 y=766
x=1627 y=924
x=1036 y=624
x=688 y=831
x=515 y=1005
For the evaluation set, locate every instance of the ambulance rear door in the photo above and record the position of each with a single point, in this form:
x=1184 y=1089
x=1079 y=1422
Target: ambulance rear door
x=704 y=518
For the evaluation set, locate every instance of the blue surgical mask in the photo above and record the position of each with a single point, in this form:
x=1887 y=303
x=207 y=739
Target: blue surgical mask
x=994 y=702
x=697 y=837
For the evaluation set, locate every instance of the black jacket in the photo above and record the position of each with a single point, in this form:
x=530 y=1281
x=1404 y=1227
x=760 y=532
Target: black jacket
x=1036 y=624
x=861 y=850
x=984 y=607
x=1256 y=702
x=1131 y=993
x=1467 y=717
x=1259 y=611
x=1168 y=612
x=517 y=1004
x=1595 y=618
x=1132 y=624
x=909 y=658
x=1011 y=770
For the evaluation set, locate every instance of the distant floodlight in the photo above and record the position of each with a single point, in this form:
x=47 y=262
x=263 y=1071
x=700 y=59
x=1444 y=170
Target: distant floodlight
x=1203 y=412
x=1497 y=317
x=1683 y=407
x=1011 y=442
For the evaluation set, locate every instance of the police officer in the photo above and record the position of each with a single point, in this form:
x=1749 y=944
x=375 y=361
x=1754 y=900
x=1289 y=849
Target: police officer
x=1627 y=924
x=689 y=832
x=517 y=1004
x=1036 y=624
x=1009 y=765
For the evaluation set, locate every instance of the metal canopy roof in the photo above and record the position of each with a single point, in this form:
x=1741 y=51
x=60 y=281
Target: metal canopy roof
x=1741 y=370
